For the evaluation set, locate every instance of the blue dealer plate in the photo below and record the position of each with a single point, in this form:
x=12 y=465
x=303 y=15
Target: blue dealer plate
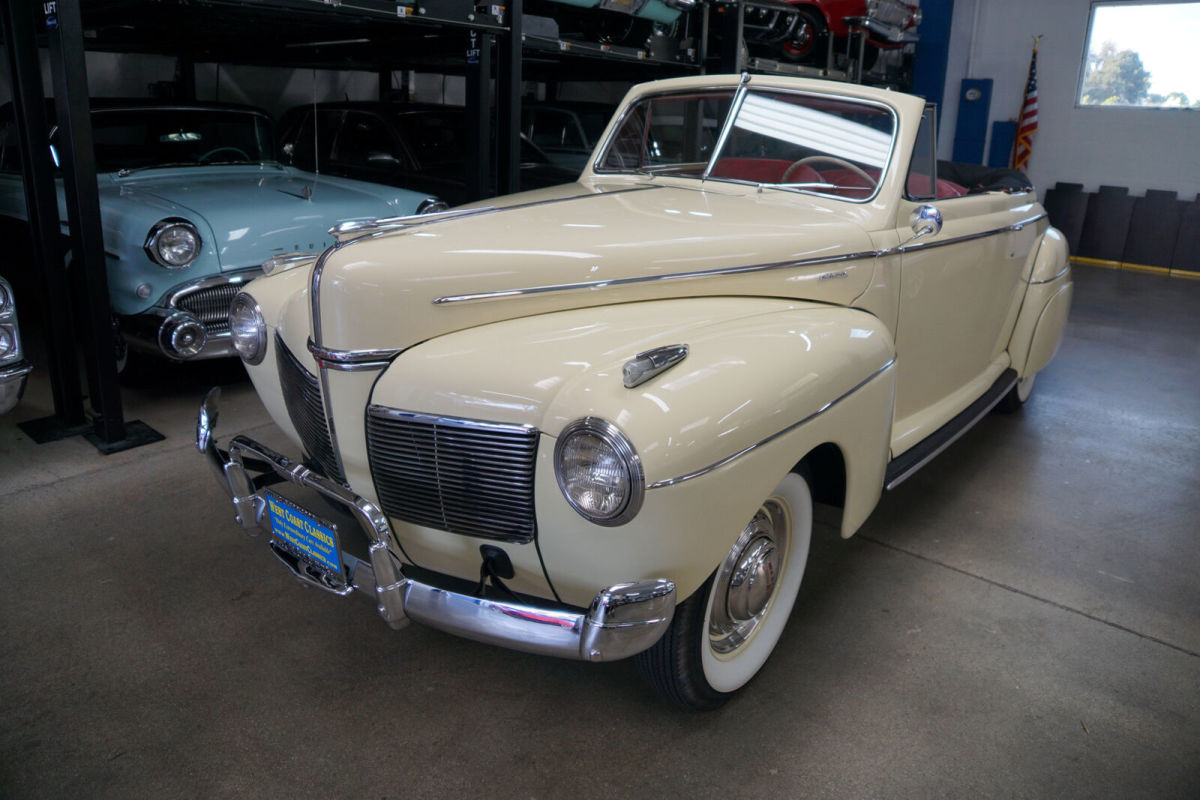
x=304 y=535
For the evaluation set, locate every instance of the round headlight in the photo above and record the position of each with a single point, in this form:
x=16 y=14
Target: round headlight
x=432 y=206
x=8 y=342
x=5 y=299
x=248 y=329
x=599 y=472
x=173 y=243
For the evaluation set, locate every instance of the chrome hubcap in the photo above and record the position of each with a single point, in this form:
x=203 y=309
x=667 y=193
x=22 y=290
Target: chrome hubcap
x=746 y=580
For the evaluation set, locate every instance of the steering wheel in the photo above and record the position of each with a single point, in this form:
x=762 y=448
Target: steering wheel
x=841 y=162
x=223 y=148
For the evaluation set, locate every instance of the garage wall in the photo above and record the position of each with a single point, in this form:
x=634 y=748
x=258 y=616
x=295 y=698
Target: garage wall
x=1140 y=149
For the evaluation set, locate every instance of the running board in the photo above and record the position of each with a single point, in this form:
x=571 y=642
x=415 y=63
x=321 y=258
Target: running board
x=903 y=466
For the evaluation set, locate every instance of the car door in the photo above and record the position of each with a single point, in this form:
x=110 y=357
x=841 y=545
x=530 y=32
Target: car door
x=960 y=291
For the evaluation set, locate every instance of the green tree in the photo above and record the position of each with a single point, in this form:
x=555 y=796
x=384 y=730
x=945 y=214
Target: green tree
x=1115 y=77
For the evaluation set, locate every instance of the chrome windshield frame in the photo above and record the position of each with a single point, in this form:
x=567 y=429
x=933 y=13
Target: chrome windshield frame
x=740 y=92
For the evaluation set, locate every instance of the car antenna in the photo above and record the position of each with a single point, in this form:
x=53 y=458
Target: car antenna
x=316 y=144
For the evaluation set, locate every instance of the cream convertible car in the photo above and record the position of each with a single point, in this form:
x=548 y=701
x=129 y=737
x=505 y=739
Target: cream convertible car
x=591 y=421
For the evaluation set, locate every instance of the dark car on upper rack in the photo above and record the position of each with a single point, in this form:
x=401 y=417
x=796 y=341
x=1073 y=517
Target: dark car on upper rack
x=419 y=146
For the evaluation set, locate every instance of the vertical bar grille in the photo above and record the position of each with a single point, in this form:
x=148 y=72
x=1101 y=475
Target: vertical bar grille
x=211 y=306
x=302 y=395
x=457 y=475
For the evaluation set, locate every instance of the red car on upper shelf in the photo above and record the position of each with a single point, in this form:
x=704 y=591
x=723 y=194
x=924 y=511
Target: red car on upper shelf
x=888 y=24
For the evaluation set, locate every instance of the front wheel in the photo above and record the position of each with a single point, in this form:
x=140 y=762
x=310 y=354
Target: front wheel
x=722 y=635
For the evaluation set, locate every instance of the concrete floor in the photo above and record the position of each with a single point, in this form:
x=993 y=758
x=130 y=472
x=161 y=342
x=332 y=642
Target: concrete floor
x=1021 y=619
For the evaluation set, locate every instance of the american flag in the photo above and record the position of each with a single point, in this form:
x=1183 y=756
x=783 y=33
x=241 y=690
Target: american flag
x=1023 y=147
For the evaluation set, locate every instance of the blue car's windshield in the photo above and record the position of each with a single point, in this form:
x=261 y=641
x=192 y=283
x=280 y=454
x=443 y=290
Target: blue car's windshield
x=127 y=139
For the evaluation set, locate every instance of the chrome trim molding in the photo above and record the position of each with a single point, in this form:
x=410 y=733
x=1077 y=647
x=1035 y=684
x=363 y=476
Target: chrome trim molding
x=711 y=273
x=241 y=276
x=1063 y=271
x=351 y=360
x=729 y=459
x=456 y=422
x=739 y=97
x=1016 y=226
x=353 y=230
x=357 y=227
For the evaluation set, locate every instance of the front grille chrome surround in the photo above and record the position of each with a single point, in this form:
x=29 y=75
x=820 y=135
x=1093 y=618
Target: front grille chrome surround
x=302 y=396
x=459 y=475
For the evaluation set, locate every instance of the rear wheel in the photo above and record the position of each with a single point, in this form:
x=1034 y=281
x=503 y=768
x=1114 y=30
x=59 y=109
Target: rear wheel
x=722 y=635
x=1017 y=396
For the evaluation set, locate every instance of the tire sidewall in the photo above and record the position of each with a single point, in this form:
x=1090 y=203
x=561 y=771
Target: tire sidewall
x=727 y=673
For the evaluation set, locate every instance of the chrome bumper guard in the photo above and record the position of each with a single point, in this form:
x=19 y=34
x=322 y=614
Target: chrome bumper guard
x=12 y=384
x=622 y=620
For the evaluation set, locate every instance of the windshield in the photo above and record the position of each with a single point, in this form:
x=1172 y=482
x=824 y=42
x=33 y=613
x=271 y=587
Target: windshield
x=789 y=140
x=151 y=137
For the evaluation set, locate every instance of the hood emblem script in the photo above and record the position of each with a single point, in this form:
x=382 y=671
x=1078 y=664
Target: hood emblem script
x=645 y=366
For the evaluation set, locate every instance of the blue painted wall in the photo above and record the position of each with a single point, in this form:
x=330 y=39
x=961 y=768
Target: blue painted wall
x=933 y=51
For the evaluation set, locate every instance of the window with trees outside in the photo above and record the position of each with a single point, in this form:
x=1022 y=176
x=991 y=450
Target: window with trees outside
x=1142 y=54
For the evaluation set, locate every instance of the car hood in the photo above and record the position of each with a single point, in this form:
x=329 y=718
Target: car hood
x=248 y=215
x=586 y=244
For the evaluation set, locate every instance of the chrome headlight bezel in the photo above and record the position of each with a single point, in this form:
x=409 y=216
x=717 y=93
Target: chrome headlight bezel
x=161 y=239
x=432 y=205
x=632 y=480
x=247 y=329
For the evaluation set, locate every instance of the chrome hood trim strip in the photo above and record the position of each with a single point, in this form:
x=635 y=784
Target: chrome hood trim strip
x=353 y=230
x=709 y=273
x=730 y=459
x=742 y=270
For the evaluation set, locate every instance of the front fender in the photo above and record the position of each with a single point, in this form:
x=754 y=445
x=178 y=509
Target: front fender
x=714 y=434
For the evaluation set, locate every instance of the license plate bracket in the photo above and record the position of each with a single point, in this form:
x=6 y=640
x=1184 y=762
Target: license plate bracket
x=310 y=539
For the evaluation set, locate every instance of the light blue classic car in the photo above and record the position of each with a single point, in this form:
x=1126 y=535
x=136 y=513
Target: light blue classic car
x=14 y=368
x=193 y=205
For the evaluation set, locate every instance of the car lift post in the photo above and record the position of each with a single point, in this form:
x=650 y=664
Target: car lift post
x=42 y=208
x=64 y=36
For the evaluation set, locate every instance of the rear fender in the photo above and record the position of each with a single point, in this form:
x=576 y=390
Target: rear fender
x=1043 y=316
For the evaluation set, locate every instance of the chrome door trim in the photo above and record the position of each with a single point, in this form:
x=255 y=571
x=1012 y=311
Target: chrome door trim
x=729 y=459
x=1016 y=226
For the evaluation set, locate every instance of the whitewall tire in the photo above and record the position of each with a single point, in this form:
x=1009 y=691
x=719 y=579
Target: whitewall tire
x=722 y=635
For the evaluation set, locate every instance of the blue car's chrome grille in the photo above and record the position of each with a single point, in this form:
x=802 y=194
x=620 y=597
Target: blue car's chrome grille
x=457 y=475
x=211 y=306
x=302 y=395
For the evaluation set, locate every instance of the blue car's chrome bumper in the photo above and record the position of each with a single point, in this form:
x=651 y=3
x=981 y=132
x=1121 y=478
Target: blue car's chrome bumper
x=622 y=620
x=12 y=384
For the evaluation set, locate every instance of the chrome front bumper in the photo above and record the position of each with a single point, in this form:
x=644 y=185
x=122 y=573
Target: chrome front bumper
x=12 y=384
x=622 y=620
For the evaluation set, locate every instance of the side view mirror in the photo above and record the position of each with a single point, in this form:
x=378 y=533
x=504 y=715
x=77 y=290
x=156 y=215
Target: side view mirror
x=925 y=221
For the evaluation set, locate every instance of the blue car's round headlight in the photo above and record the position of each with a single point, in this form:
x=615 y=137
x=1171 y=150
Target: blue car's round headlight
x=248 y=330
x=173 y=243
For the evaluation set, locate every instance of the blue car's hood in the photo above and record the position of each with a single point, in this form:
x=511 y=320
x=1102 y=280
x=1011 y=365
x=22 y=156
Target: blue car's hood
x=248 y=214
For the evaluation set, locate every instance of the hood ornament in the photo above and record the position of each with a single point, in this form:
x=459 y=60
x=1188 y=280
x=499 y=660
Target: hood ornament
x=651 y=363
